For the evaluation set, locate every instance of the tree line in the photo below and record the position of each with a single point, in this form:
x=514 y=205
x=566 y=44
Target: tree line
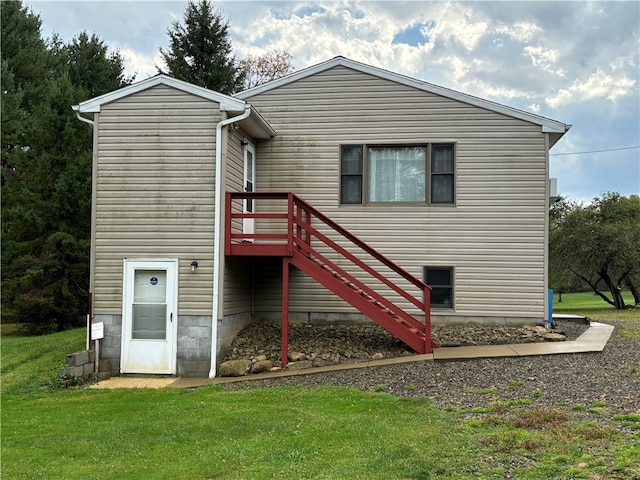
x=46 y=152
x=596 y=246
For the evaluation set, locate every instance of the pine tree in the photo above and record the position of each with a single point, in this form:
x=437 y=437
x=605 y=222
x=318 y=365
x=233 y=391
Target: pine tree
x=24 y=50
x=200 y=50
x=47 y=179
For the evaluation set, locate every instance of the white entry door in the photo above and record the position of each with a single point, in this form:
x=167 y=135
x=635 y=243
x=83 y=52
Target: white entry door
x=149 y=316
x=248 y=225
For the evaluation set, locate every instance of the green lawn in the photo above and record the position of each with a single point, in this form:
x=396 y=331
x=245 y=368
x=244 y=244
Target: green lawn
x=322 y=433
x=586 y=301
x=593 y=307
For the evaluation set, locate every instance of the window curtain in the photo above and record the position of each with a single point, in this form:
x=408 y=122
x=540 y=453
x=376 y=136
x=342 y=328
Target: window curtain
x=397 y=174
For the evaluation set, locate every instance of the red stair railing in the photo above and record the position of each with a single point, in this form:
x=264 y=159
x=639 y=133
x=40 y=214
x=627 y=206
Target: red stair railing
x=303 y=227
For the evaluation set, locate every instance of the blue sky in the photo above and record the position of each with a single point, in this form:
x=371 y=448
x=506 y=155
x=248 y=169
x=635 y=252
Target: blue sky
x=576 y=62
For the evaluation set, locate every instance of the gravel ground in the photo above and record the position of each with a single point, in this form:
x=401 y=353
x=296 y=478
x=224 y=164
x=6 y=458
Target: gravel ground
x=610 y=378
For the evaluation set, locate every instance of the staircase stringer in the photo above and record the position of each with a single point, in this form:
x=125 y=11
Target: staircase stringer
x=409 y=335
x=342 y=276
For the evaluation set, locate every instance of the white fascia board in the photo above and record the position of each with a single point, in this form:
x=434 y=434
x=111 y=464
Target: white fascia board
x=226 y=102
x=548 y=125
x=262 y=123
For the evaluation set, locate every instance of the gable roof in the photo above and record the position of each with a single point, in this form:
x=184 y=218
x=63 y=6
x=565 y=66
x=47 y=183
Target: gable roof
x=255 y=124
x=548 y=125
x=226 y=102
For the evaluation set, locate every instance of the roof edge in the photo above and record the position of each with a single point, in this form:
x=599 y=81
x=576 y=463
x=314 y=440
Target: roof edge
x=227 y=103
x=548 y=125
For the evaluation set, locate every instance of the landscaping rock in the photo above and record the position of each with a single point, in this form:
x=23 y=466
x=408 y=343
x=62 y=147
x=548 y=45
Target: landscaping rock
x=299 y=365
x=235 y=368
x=554 y=337
x=262 y=366
x=337 y=343
x=296 y=356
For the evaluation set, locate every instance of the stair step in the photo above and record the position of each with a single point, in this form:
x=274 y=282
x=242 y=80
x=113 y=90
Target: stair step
x=387 y=314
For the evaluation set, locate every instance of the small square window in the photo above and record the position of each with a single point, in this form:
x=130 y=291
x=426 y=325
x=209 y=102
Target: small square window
x=440 y=279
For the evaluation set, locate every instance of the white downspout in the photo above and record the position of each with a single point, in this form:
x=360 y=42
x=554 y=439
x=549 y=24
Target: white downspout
x=76 y=108
x=80 y=117
x=217 y=236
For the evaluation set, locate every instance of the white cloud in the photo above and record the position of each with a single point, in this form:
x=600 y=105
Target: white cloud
x=597 y=85
x=574 y=61
x=519 y=31
x=140 y=64
x=534 y=107
x=544 y=58
x=457 y=23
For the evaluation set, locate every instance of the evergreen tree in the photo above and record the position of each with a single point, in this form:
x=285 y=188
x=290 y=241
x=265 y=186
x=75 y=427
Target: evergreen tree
x=23 y=76
x=200 y=50
x=47 y=188
x=24 y=50
x=92 y=68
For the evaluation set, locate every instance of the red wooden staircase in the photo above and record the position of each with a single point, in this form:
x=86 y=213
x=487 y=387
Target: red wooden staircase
x=290 y=228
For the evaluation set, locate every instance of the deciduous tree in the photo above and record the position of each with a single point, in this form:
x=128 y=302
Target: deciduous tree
x=259 y=69
x=599 y=243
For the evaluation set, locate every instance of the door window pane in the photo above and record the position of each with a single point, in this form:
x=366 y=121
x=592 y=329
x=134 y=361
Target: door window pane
x=150 y=304
x=149 y=321
x=249 y=185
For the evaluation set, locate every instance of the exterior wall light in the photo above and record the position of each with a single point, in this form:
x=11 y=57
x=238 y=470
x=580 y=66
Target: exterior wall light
x=194 y=265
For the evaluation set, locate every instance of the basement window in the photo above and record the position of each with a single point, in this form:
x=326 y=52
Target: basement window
x=440 y=279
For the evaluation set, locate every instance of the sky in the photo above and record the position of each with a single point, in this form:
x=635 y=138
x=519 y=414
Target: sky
x=577 y=62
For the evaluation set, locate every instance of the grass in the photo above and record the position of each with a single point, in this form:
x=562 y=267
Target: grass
x=294 y=432
x=209 y=433
x=32 y=363
x=593 y=307
x=587 y=301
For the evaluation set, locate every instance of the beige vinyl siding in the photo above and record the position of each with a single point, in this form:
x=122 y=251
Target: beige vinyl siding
x=237 y=270
x=494 y=235
x=155 y=192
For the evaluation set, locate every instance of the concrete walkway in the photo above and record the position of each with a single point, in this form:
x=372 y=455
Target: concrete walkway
x=593 y=339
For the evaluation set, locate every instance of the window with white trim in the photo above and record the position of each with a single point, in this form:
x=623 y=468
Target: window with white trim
x=397 y=173
x=440 y=279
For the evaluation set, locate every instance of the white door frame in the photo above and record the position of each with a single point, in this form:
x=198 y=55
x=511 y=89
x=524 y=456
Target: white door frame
x=154 y=356
x=249 y=185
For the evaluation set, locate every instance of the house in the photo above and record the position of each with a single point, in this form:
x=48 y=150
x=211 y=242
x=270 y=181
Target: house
x=453 y=189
